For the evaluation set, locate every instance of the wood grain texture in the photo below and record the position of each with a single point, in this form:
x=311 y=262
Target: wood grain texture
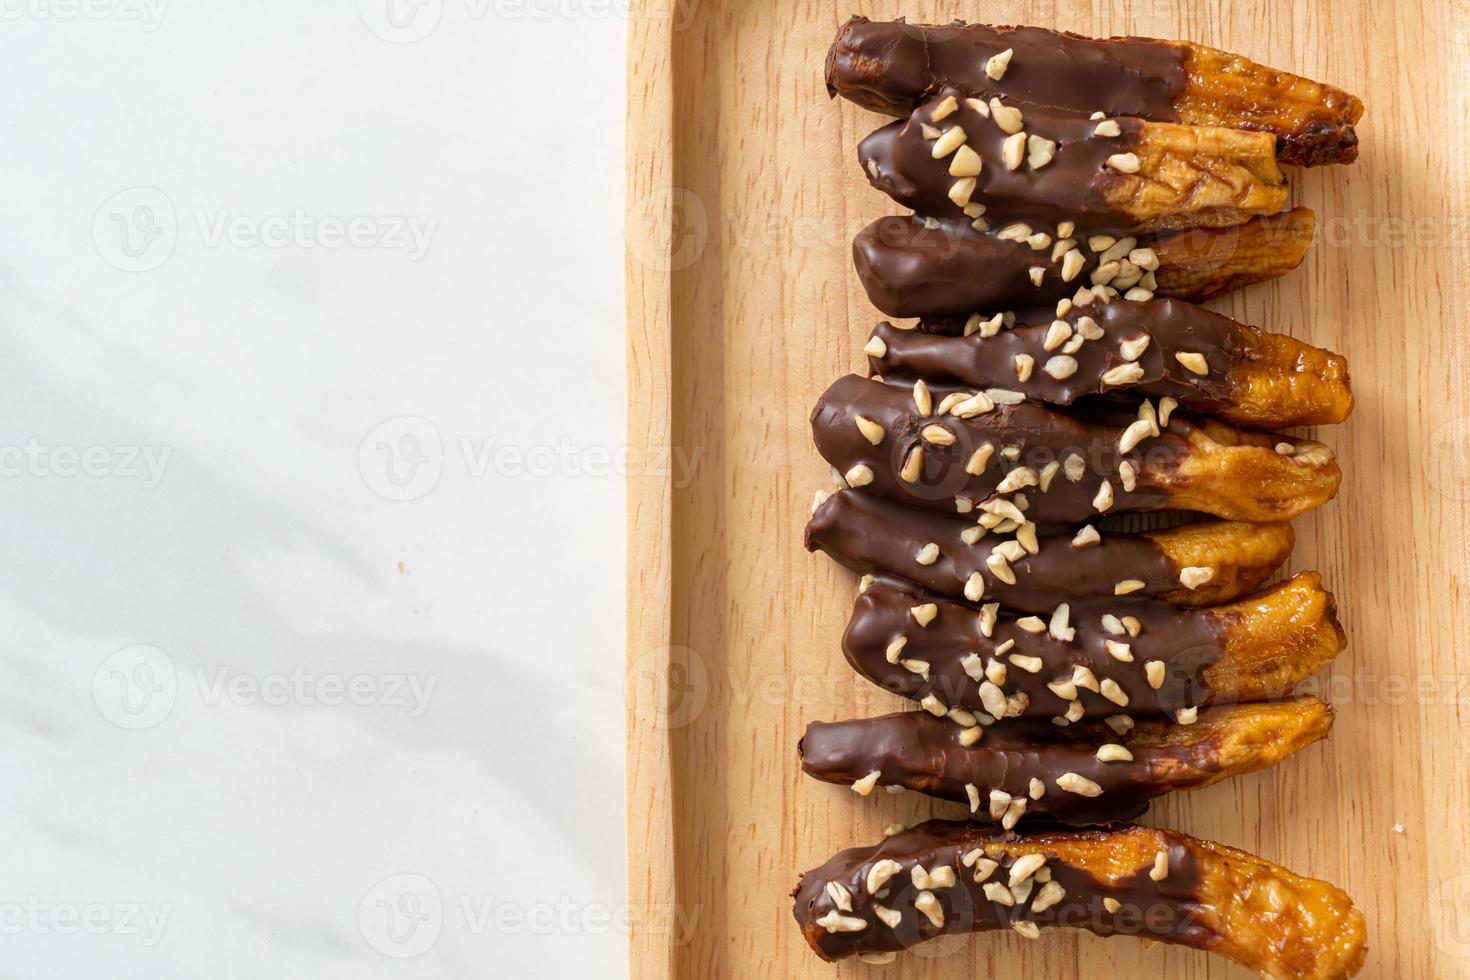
x=742 y=306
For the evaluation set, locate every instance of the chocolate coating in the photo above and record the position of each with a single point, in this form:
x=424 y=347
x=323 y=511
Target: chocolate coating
x=1185 y=641
x=893 y=66
x=866 y=533
x=1042 y=435
x=1167 y=910
x=921 y=752
x=912 y=268
x=899 y=161
x=989 y=362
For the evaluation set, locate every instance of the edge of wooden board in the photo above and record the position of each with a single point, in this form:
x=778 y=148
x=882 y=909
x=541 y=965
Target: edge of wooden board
x=648 y=311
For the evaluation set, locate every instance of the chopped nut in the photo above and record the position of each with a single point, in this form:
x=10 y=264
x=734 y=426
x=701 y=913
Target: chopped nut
x=1123 y=374
x=924 y=613
x=928 y=554
x=929 y=905
x=996 y=66
x=835 y=921
x=895 y=648
x=1193 y=362
x=913 y=466
x=937 y=435
x=1161 y=866
x=1154 y=672
x=999 y=894
x=1038 y=273
x=1039 y=151
x=1008 y=118
x=864 y=786
x=948 y=142
x=1072 y=264
x=944 y=109
x=1195 y=576
x=1024 y=364
x=1134 y=434
x=1107 y=128
x=841 y=897
x=876 y=347
x=1061 y=367
x=1080 y=785
x=966 y=163
x=1124 y=163
x=1013 y=150
x=1133 y=349
x=872 y=431
x=1031 y=665
x=859 y=476
x=1113 y=752
x=1088 y=535
x=880 y=873
x=960 y=191
x=1128 y=585
x=1121 y=652
x=1024 y=867
x=1104 y=498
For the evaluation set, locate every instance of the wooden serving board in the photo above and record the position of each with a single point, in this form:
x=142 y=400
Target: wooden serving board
x=744 y=195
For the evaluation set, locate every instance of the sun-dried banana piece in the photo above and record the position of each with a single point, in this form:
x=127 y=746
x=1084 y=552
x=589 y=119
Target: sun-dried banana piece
x=1256 y=379
x=991 y=447
x=1125 y=176
x=1082 y=774
x=892 y=67
x=913 y=266
x=869 y=534
x=943 y=877
x=1091 y=658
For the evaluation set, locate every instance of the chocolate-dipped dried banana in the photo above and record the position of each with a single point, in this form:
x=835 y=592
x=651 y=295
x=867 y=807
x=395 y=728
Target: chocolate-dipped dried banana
x=945 y=877
x=912 y=266
x=1084 y=774
x=994 y=454
x=1162 y=348
x=1090 y=658
x=958 y=157
x=1193 y=565
x=892 y=67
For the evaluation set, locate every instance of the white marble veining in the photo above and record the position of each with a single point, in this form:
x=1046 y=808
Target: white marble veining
x=311 y=588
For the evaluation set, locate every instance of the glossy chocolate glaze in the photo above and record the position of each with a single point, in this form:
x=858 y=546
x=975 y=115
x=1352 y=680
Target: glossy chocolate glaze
x=910 y=267
x=1040 y=434
x=893 y=66
x=920 y=752
x=1186 y=641
x=1169 y=910
x=866 y=533
x=1172 y=325
x=898 y=160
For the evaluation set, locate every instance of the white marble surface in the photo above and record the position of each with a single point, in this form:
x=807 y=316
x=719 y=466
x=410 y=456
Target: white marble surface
x=265 y=267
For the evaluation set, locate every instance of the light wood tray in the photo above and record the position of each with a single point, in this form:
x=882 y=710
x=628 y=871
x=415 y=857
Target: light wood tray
x=743 y=197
